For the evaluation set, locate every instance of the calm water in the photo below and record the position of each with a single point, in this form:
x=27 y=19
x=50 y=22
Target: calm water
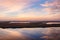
x=52 y=33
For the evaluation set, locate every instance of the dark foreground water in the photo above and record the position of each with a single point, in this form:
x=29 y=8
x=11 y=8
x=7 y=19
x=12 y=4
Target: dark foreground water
x=52 y=33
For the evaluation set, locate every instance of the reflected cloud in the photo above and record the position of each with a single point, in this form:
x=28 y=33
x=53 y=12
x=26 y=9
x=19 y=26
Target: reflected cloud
x=30 y=34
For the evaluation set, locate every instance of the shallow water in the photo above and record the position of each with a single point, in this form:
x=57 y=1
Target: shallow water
x=30 y=33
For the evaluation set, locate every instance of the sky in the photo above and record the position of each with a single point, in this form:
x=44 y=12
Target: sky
x=32 y=10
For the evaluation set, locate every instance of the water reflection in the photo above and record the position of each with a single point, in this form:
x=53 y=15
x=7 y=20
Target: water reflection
x=52 y=33
x=53 y=23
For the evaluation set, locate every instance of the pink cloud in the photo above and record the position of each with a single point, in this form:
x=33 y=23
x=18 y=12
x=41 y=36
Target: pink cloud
x=52 y=13
x=52 y=7
x=14 y=5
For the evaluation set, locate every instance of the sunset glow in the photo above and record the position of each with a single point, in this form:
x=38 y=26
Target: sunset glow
x=38 y=10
